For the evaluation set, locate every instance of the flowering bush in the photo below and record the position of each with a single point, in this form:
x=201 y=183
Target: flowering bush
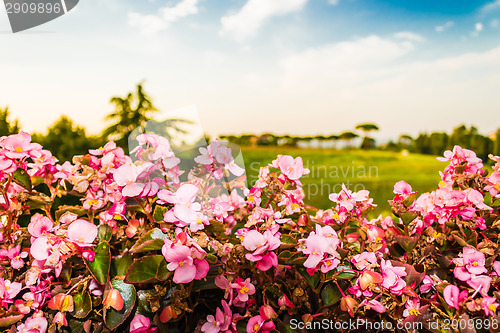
x=113 y=242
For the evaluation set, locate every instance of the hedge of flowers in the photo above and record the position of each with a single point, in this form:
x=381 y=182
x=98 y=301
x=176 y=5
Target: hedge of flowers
x=112 y=242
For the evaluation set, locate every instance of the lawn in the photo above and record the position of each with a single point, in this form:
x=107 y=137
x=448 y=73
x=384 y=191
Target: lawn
x=376 y=171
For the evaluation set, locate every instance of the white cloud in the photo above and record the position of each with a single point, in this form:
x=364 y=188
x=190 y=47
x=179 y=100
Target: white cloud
x=491 y=6
x=446 y=26
x=411 y=36
x=494 y=23
x=150 y=24
x=249 y=19
x=478 y=26
x=334 y=2
x=343 y=64
x=343 y=82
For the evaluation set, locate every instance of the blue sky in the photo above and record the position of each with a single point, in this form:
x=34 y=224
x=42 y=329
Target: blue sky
x=287 y=66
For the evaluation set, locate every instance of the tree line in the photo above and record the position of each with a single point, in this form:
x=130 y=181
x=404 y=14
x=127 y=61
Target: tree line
x=65 y=139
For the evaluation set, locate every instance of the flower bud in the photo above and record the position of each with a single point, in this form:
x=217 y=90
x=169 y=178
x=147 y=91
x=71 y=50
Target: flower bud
x=349 y=304
x=61 y=302
x=60 y=318
x=267 y=312
x=167 y=314
x=284 y=301
x=352 y=237
x=369 y=278
x=113 y=299
x=88 y=254
x=303 y=220
x=307 y=318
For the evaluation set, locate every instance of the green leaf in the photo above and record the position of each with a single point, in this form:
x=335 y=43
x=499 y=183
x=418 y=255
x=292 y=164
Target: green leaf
x=313 y=280
x=121 y=264
x=330 y=295
x=35 y=180
x=151 y=241
x=159 y=212
x=409 y=201
x=284 y=328
x=406 y=242
x=99 y=267
x=63 y=209
x=208 y=283
x=22 y=178
x=113 y=318
x=408 y=217
x=288 y=241
x=105 y=232
x=10 y=320
x=148 y=269
x=345 y=273
x=82 y=304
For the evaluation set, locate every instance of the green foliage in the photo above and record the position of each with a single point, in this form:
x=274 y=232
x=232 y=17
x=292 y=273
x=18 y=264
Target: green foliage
x=6 y=127
x=130 y=112
x=99 y=267
x=65 y=140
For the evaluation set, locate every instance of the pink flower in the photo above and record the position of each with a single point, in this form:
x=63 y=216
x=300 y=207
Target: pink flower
x=185 y=208
x=15 y=255
x=258 y=324
x=402 y=188
x=427 y=284
x=39 y=225
x=480 y=284
x=82 y=233
x=320 y=244
x=374 y=305
x=472 y=262
x=490 y=305
x=364 y=260
x=292 y=168
x=19 y=145
x=496 y=267
x=9 y=290
x=40 y=248
x=223 y=283
x=221 y=321
x=262 y=245
x=243 y=289
x=141 y=324
x=33 y=325
x=180 y=258
x=453 y=296
x=127 y=176
x=412 y=307
x=392 y=277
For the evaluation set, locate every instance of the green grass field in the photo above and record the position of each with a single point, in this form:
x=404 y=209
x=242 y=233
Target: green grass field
x=376 y=171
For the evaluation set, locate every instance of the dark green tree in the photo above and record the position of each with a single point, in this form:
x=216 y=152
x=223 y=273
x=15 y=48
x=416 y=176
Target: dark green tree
x=130 y=112
x=64 y=139
x=367 y=142
x=6 y=126
x=348 y=137
x=496 y=151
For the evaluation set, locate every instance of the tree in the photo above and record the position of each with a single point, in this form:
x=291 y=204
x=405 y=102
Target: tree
x=367 y=142
x=348 y=137
x=497 y=143
x=65 y=139
x=130 y=113
x=6 y=128
x=333 y=138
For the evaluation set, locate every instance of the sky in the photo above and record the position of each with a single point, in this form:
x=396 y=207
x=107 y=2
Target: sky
x=301 y=67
